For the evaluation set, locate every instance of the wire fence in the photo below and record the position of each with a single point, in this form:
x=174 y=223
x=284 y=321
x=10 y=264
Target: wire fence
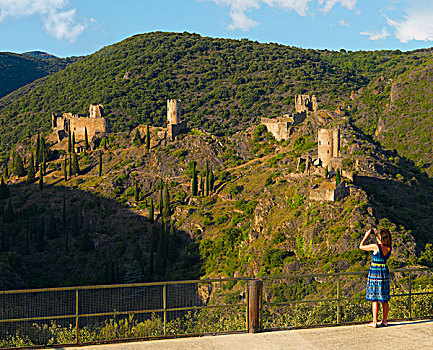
x=102 y=314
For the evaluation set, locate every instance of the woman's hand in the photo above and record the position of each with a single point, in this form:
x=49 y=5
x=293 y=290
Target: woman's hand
x=368 y=247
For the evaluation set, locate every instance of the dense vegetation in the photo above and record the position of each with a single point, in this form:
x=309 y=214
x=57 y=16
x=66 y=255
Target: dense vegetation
x=17 y=70
x=224 y=85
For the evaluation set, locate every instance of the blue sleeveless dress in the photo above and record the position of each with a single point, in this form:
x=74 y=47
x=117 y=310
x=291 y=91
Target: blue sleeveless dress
x=378 y=278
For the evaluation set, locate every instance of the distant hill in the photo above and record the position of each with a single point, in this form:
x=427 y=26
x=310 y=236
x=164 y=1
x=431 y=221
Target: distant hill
x=225 y=85
x=17 y=70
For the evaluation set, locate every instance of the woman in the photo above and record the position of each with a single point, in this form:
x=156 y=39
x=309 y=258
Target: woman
x=378 y=276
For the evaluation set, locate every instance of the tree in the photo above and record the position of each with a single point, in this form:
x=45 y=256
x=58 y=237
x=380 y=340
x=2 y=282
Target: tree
x=4 y=190
x=202 y=186
x=38 y=151
x=73 y=142
x=75 y=225
x=194 y=185
x=86 y=244
x=41 y=178
x=161 y=200
x=137 y=139
x=207 y=179
x=326 y=172
x=31 y=171
x=151 y=210
x=64 y=211
x=19 y=167
x=6 y=171
x=44 y=164
x=134 y=273
x=100 y=163
x=211 y=179
x=75 y=165
x=86 y=140
x=167 y=211
x=69 y=143
x=147 y=138
x=65 y=169
x=70 y=165
x=136 y=192
x=337 y=178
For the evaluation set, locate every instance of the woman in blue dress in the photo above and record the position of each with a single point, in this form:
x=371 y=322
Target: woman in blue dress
x=378 y=289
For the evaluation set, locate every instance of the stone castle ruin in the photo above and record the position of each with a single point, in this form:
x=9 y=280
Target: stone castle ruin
x=67 y=123
x=283 y=127
x=329 y=148
x=174 y=123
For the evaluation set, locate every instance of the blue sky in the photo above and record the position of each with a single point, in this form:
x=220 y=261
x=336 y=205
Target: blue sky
x=80 y=27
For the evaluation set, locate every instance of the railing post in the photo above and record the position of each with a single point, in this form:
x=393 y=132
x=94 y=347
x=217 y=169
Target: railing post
x=338 y=298
x=254 y=305
x=77 y=317
x=410 y=296
x=247 y=306
x=164 y=306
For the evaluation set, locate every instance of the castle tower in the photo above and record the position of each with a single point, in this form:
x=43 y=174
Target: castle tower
x=174 y=111
x=96 y=111
x=329 y=145
x=314 y=104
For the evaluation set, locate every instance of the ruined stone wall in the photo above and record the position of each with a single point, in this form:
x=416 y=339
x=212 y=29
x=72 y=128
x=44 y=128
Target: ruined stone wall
x=304 y=103
x=174 y=111
x=93 y=125
x=280 y=128
x=175 y=129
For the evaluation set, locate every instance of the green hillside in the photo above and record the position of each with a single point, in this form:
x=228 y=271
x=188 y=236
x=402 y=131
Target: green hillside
x=17 y=70
x=225 y=85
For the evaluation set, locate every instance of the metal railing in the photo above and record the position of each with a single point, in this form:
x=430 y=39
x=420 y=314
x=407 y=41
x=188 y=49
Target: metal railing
x=101 y=314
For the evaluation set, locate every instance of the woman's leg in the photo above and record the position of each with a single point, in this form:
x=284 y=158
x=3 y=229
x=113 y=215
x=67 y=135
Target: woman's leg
x=385 y=312
x=375 y=309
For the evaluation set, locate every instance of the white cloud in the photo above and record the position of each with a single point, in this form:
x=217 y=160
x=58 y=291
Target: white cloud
x=329 y=4
x=417 y=24
x=238 y=9
x=57 y=16
x=376 y=35
x=343 y=23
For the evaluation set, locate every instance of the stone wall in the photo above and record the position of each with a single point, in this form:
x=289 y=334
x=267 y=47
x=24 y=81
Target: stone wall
x=329 y=192
x=304 y=103
x=94 y=126
x=96 y=111
x=175 y=129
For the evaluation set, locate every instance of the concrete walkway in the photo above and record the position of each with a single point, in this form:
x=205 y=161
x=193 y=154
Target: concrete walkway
x=403 y=335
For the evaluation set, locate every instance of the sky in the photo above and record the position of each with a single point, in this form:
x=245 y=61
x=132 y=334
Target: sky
x=80 y=27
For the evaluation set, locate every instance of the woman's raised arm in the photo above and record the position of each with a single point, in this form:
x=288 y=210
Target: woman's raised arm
x=368 y=247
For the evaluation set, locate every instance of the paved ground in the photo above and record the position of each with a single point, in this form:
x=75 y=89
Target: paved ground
x=417 y=335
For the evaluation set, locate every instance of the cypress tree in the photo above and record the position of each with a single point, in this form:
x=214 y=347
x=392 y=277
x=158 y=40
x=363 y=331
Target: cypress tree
x=6 y=172
x=134 y=273
x=167 y=211
x=326 y=172
x=211 y=179
x=70 y=165
x=161 y=200
x=38 y=151
x=147 y=138
x=136 y=192
x=65 y=170
x=337 y=178
x=194 y=185
x=75 y=165
x=41 y=178
x=100 y=163
x=73 y=142
x=69 y=143
x=137 y=139
x=19 y=167
x=4 y=190
x=86 y=140
x=31 y=171
x=151 y=210
x=207 y=179
x=44 y=164
x=202 y=186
